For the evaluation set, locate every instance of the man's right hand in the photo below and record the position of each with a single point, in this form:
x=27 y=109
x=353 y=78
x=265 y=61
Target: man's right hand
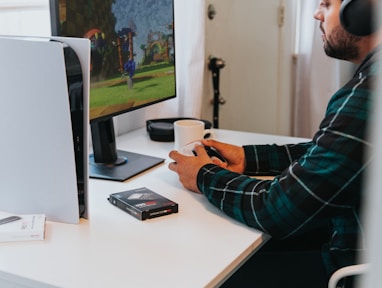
x=234 y=155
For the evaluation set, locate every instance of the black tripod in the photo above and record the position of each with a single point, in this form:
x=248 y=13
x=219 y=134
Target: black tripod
x=215 y=64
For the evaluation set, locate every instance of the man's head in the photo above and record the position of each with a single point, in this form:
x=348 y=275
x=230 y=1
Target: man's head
x=338 y=43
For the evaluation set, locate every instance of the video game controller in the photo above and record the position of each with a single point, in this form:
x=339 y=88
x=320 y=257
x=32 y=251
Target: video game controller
x=188 y=150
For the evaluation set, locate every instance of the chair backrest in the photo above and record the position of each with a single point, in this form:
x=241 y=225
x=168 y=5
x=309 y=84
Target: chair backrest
x=346 y=271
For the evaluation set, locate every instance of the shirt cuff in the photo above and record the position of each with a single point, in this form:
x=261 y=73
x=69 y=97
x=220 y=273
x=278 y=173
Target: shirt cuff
x=205 y=176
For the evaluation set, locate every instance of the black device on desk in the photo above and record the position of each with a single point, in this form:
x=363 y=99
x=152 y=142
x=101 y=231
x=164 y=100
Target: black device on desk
x=132 y=66
x=76 y=102
x=162 y=130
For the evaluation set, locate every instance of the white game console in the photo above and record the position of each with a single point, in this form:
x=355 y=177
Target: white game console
x=44 y=83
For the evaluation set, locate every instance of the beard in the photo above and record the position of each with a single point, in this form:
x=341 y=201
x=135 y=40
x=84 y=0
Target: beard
x=342 y=45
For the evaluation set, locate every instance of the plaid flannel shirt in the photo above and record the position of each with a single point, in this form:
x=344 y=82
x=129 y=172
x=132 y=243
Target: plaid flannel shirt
x=318 y=183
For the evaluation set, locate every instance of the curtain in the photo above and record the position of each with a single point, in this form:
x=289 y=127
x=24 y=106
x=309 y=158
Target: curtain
x=317 y=76
x=190 y=55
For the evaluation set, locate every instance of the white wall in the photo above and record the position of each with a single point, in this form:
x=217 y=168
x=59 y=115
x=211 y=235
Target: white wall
x=28 y=17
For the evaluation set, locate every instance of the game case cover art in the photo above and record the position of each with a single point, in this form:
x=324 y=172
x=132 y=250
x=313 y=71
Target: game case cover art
x=132 y=50
x=143 y=203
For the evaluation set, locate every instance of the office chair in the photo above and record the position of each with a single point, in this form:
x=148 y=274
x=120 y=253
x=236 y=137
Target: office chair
x=343 y=272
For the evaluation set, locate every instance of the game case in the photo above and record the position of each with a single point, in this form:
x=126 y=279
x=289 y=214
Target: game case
x=142 y=203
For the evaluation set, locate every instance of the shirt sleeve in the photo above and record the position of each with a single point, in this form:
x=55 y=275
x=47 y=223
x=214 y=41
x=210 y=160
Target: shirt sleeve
x=314 y=182
x=272 y=159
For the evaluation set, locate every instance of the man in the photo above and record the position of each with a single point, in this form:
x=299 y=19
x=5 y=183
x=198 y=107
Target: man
x=319 y=183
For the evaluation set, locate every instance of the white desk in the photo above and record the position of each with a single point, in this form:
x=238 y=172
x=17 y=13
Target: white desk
x=197 y=247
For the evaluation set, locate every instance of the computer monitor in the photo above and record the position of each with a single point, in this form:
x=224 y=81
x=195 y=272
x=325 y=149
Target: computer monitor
x=132 y=66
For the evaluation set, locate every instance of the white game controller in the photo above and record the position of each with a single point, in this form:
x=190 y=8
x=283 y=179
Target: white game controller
x=189 y=150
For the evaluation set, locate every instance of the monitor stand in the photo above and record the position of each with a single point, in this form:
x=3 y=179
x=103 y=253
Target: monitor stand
x=111 y=164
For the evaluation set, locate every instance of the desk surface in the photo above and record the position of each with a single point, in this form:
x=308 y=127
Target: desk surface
x=197 y=247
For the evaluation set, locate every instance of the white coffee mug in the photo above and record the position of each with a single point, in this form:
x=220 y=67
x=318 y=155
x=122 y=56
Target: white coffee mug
x=189 y=130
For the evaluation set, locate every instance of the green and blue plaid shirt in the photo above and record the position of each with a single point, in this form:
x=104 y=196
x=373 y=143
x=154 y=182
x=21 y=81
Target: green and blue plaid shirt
x=318 y=182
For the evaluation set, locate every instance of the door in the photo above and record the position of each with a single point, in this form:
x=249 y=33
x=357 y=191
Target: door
x=256 y=40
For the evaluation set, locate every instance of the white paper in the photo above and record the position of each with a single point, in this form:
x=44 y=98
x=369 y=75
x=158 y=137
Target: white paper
x=30 y=227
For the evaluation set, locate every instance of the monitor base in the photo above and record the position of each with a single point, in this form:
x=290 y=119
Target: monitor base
x=135 y=164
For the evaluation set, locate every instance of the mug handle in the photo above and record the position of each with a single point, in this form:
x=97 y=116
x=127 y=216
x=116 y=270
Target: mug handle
x=208 y=134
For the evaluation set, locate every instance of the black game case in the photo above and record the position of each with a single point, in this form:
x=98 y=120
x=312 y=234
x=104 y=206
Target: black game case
x=142 y=203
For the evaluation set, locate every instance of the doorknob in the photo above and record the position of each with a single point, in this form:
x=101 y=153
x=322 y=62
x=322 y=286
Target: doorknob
x=211 y=12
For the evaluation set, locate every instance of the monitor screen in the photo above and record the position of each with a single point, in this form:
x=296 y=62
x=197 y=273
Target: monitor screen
x=132 y=66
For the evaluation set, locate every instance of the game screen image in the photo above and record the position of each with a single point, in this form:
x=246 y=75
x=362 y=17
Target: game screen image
x=132 y=50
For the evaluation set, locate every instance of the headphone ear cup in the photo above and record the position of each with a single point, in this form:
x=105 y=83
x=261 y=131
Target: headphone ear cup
x=357 y=17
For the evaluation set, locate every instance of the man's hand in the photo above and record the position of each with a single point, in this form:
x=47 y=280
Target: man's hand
x=234 y=155
x=187 y=167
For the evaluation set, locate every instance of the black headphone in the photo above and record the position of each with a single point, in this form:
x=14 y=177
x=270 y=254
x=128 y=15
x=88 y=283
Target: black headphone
x=357 y=16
